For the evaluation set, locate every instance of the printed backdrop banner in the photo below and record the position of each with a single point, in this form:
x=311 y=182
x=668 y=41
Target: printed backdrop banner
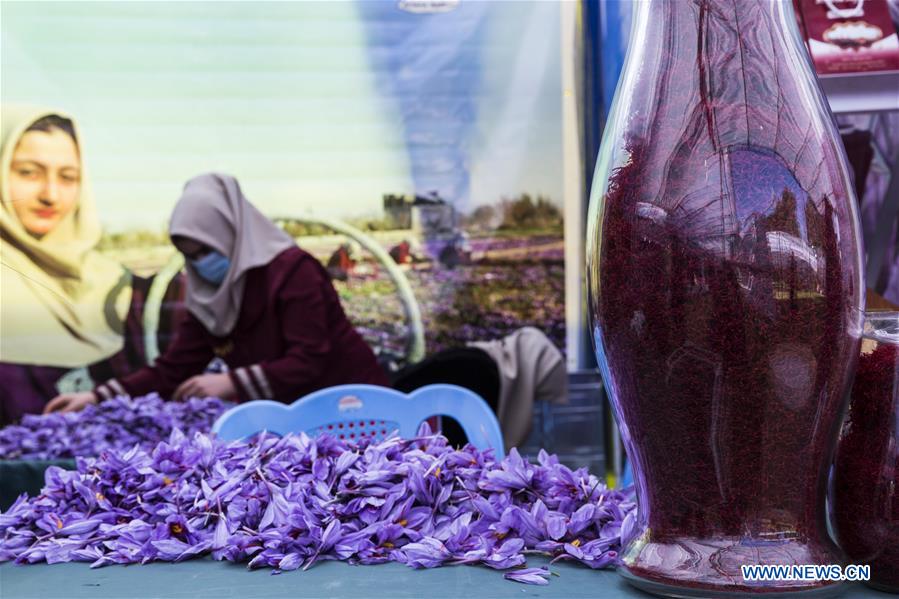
x=433 y=127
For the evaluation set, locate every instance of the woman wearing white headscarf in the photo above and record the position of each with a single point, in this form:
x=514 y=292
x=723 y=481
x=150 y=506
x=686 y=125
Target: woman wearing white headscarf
x=63 y=305
x=255 y=300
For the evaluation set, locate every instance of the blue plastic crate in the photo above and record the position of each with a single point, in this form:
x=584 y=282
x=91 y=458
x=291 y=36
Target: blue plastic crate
x=573 y=431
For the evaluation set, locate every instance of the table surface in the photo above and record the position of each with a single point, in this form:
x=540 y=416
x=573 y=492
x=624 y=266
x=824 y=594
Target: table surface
x=206 y=578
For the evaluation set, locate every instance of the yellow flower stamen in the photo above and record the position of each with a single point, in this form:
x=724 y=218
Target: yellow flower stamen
x=177 y=529
x=403 y=522
x=58 y=523
x=437 y=472
x=99 y=496
x=389 y=545
x=166 y=480
x=576 y=542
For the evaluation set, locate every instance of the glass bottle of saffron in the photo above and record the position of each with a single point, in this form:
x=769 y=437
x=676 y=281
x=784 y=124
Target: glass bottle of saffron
x=724 y=270
x=865 y=493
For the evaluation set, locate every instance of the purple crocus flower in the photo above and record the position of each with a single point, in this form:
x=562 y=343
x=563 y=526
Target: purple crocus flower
x=529 y=576
x=427 y=553
x=286 y=503
x=513 y=474
x=507 y=555
x=116 y=424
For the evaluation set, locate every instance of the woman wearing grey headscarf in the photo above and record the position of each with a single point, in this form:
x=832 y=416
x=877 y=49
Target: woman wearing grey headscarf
x=256 y=301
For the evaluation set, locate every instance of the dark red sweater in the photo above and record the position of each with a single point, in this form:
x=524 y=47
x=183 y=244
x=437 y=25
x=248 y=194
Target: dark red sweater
x=291 y=338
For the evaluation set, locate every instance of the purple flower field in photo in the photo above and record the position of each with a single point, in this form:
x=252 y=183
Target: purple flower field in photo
x=484 y=300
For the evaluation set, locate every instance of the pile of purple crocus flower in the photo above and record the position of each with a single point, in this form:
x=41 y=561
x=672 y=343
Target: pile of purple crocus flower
x=114 y=425
x=289 y=502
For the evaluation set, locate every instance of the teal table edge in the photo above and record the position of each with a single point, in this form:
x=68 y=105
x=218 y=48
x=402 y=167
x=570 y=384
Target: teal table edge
x=204 y=577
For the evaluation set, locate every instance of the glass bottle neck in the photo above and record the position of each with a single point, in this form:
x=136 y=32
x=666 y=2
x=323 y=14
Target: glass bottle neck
x=708 y=75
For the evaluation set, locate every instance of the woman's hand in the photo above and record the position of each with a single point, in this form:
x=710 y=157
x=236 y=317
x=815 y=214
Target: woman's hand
x=206 y=385
x=70 y=402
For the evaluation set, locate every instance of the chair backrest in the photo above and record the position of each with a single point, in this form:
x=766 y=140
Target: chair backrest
x=357 y=411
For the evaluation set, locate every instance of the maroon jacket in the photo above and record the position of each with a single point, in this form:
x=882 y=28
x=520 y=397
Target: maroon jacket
x=291 y=338
x=26 y=388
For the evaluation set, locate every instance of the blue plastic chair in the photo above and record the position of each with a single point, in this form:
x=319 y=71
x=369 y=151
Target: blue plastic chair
x=359 y=411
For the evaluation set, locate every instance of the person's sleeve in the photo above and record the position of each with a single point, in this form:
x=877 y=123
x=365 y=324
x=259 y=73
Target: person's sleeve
x=302 y=310
x=188 y=355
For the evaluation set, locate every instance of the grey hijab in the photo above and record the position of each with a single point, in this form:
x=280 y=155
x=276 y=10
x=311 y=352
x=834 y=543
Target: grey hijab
x=213 y=211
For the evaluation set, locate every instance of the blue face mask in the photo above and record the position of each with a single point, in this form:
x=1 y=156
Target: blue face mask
x=212 y=267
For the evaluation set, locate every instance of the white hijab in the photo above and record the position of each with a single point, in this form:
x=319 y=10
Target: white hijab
x=63 y=302
x=213 y=211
